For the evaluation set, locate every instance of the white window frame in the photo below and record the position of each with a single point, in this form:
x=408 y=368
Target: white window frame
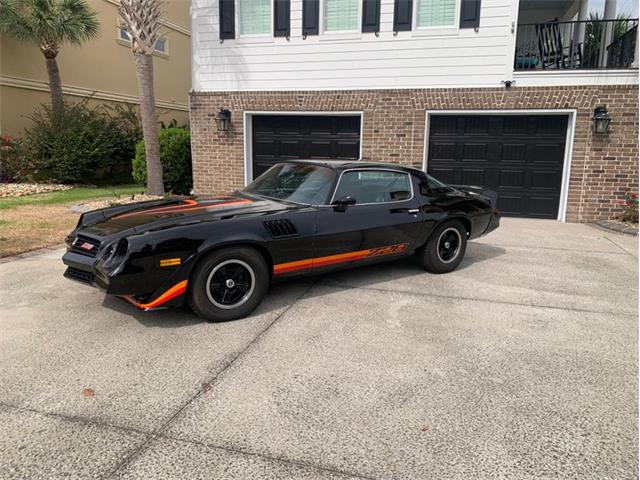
x=127 y=43
x=270 y=34
x=348 y=33
x=440 y=30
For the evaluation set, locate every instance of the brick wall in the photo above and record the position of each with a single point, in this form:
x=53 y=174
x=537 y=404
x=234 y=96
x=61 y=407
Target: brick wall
x=602 y=168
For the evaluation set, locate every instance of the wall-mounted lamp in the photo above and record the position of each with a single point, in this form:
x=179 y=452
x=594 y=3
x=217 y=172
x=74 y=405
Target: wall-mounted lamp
x=223 y=120
x=601 y=120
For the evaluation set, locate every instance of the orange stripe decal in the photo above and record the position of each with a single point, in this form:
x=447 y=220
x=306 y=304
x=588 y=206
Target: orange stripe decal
x=170 y=294
x=187 y=206
x=317 y=262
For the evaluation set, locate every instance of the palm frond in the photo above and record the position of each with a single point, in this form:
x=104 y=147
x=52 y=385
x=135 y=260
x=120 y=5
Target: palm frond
x=142 y=22
x=49 y=22
x=14 y=20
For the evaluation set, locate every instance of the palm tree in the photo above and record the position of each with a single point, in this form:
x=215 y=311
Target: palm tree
x=49 y=23
x=142 y=22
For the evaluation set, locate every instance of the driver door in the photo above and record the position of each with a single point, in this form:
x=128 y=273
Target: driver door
x=379 y=218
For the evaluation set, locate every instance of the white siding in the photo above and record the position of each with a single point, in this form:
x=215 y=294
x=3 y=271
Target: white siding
x=353 y=61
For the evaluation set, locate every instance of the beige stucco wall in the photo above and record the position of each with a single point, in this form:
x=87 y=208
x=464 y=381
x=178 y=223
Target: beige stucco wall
x=103 y=67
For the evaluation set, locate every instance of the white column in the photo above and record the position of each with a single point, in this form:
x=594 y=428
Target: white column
x=610 y=8
x=579 y=29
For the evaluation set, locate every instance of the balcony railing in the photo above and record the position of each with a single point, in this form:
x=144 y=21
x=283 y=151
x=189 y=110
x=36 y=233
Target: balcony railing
x=588 y=44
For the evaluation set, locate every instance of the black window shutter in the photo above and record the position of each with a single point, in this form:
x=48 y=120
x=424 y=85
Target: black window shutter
x=470 y=14
x=227 y=20
x=281 y=18
x=402 y=15
x=371 y=15
x=310 y=17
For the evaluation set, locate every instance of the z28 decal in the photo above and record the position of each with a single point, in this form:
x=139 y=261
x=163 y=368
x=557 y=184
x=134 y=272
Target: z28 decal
x=317 y=262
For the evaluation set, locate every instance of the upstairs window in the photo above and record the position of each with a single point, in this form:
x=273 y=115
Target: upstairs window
x=436 y=13
x=254 y=17
x=341 y=15
x=159 y=47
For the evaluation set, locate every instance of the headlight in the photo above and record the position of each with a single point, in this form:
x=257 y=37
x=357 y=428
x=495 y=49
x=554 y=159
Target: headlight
x=115 y=254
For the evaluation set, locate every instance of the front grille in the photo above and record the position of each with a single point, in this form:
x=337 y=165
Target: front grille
x=280 y=228
x=80 y=275
x=85 y=246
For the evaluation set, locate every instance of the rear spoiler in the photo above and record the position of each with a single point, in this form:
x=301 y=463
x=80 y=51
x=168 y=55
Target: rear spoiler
x=491 y=195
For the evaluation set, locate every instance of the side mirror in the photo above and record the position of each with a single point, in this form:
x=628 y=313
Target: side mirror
x=425 y=189
x=342 y=204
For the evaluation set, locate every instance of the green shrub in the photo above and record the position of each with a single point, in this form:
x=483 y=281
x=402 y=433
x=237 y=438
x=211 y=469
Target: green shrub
x=175 y=157
x=80 y=145
x=10 y=158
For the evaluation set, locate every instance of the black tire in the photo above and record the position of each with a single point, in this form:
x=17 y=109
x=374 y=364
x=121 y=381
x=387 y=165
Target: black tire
x=212 y=298
x=445 y=248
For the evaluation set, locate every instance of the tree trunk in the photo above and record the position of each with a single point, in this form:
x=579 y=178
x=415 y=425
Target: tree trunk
x=144 y=71
x=55 y=85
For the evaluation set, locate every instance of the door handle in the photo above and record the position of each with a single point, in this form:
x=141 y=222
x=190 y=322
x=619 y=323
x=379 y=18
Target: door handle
x=413 y=210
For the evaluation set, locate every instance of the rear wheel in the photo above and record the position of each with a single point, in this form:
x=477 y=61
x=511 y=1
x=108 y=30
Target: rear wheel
x=446 y=247
x=228 y=284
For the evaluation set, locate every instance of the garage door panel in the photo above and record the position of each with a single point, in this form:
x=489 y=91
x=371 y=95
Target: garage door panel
x=545 y=179
x=511 y=205
x=476 y=152
x=447 y=175
x=472 y=177
x=514 y=153
x=444 y=151
x=519 y=156
x=512 y=178
x=549 y=154
x=539 y=206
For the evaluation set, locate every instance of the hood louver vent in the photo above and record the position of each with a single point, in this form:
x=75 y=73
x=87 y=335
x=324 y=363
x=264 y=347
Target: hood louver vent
x=280 y=228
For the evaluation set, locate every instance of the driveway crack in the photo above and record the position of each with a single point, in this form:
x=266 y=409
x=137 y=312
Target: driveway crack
x=157 y=433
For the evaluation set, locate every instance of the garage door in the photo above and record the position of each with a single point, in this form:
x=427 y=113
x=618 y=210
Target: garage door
x=519 y=156
x=283 y=137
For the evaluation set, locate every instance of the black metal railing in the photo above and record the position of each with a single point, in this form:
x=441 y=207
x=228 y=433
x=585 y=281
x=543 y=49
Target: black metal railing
x=586 y=44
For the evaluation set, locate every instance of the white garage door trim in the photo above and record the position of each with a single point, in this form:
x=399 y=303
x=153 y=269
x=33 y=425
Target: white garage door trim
x=568 y=149
x=248 y=125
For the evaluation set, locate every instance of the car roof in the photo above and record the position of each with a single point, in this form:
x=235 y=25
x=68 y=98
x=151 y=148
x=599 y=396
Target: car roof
x=341 y=165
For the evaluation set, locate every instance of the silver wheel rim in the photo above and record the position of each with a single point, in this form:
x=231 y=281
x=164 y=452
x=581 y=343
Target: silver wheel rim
x=214 y=293
x=448 y=245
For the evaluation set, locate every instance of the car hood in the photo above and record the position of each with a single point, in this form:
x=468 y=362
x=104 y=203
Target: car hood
x=145 y=216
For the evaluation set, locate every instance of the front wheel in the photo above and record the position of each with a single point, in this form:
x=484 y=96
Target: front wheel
x=445 y=249
x=228 y=284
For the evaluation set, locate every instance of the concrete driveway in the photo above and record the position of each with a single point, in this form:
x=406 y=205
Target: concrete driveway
x=522 y=364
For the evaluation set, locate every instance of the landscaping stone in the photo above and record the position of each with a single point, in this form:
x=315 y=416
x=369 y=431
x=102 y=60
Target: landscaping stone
x=20 y=189
x=110 y=202
x=619 y=226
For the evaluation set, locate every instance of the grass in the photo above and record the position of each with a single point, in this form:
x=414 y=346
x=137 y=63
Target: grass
x=43 y=220
x=75 y=195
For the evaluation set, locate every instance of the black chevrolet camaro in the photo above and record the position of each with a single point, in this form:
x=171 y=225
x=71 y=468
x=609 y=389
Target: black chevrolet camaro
x=299 y=218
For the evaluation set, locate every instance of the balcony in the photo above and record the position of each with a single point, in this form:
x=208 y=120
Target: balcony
x=560 y=36
x=581 y=44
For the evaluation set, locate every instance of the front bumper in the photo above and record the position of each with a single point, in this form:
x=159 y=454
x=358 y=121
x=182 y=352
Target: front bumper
x=86 y=269
x=81 y=268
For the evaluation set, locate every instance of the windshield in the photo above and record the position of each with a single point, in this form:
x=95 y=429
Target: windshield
x=295 y=182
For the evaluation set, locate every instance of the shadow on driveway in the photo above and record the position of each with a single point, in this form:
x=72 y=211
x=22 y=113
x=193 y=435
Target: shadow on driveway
x=368 y=276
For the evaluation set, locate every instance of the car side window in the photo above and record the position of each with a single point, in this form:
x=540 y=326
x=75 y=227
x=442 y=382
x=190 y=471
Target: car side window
x=373 y=186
